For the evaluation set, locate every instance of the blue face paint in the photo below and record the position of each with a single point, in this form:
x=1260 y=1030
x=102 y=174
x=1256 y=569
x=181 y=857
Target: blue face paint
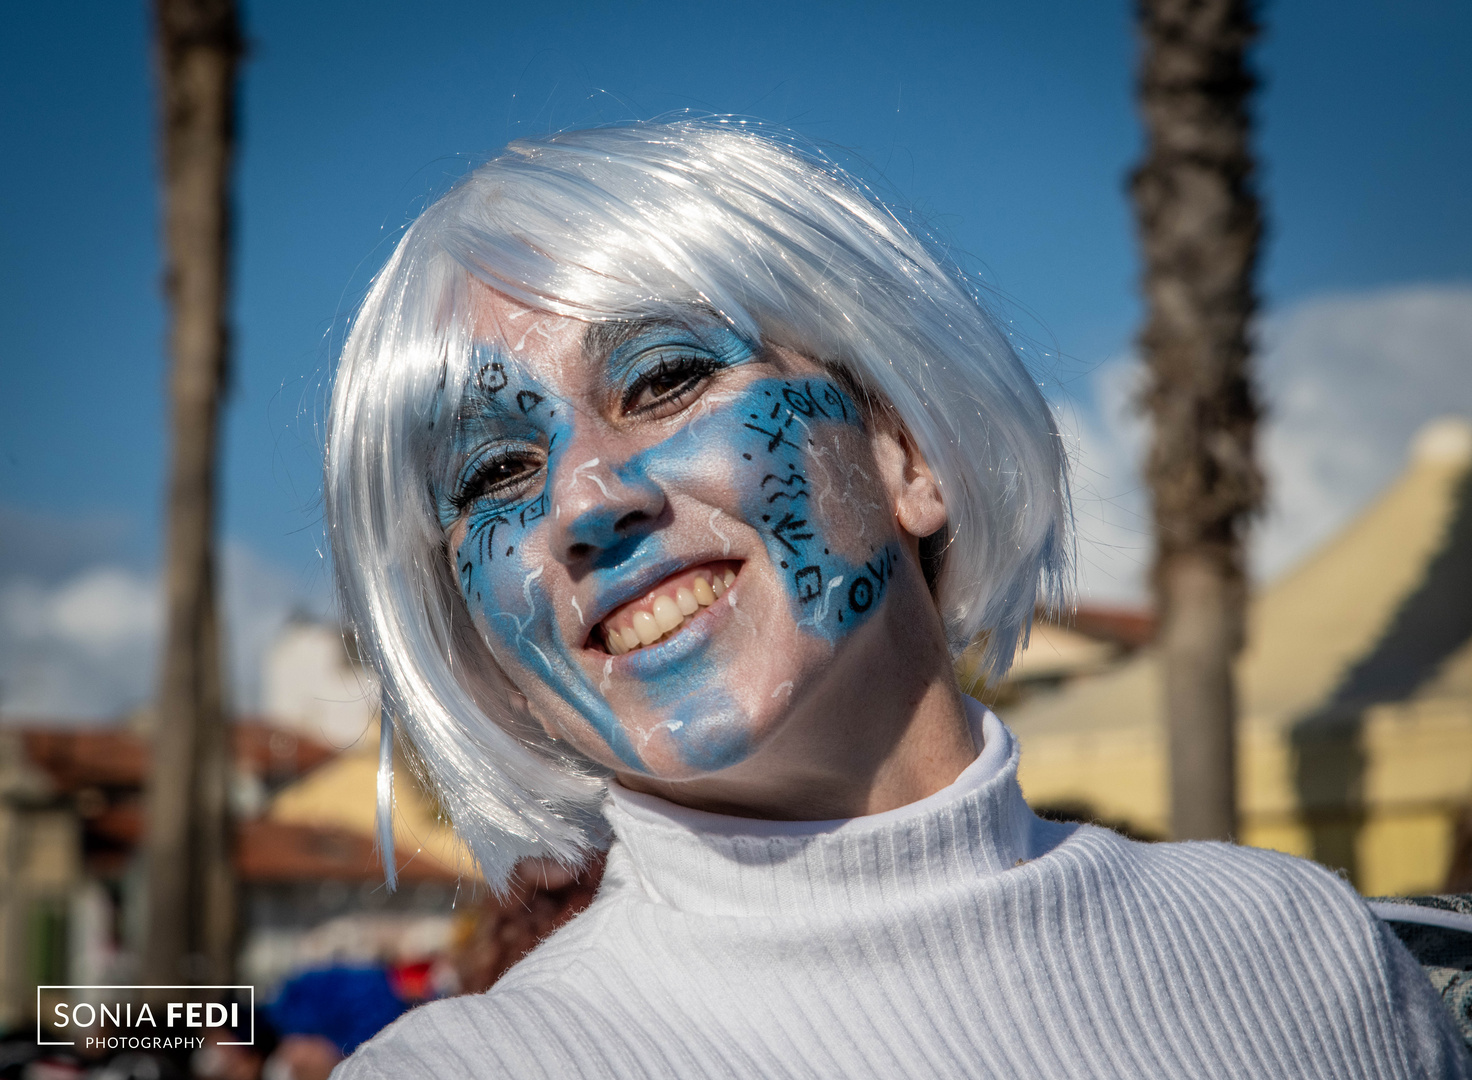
x=510 y=423
x=771 y=439
x=830 y=594
x=778 y=443
x=713 y=734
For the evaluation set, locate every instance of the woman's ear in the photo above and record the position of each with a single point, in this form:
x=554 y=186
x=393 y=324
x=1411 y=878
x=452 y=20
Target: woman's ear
x=918 y=505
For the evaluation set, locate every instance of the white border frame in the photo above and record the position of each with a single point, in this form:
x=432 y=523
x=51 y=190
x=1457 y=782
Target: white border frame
x=147 y=986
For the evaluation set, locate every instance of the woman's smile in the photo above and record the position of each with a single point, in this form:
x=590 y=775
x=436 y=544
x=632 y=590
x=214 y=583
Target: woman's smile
x=673 y=605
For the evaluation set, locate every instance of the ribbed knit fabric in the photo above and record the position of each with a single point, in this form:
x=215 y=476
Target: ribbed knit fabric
x=960 y=936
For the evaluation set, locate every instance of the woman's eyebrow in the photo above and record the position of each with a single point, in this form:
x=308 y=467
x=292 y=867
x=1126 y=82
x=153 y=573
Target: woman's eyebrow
x=603 y=339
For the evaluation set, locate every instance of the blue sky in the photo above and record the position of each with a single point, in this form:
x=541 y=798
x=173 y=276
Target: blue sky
x=1010 y=124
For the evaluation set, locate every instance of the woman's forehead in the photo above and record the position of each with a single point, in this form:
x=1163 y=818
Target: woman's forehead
x=541 y=344
x=568 y=352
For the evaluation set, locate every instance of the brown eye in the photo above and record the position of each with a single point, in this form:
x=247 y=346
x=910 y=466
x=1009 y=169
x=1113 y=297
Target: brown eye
x=499 y=477
x=668 y=382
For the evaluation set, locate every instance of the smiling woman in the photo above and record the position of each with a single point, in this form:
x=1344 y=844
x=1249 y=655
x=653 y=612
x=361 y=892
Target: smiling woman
x=616 y=356
x=667 y=472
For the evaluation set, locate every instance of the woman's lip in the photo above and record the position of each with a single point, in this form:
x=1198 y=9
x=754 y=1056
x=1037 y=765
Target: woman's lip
x=623 y=588
x=671 y=602
x=653 y=660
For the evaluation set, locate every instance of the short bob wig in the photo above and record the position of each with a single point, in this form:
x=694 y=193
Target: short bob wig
x=628 y=221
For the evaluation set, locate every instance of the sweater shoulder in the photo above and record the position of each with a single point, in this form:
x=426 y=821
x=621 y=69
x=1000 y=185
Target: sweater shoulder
x=502 y=1034
x=1219 y=874
x=1217 y=900
x=509 y=1031
x=1221 y=900
x=478 y=1035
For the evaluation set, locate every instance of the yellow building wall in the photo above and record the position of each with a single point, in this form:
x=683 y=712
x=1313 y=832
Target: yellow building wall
x=1386 y=794
x=1119 y=774
x=1417 y=778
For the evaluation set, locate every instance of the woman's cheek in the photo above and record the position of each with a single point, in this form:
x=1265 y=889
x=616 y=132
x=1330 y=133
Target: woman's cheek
x=502 y=570
x=801 y=474
x=503 y=589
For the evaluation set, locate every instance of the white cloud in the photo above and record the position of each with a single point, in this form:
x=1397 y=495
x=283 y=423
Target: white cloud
x=1348 y=380
x=82 y=648
x=85 y=645
x=105 y=609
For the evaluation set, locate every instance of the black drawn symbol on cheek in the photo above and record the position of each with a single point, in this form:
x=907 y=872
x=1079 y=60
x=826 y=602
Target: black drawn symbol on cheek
x=882 y=567
x=795 y=485
x=532 y=511
x=809 y=584
x=775 y=438
x=834 y=399
x=806 y=402
x=790 y=529
x=487 y=537
x=491 y=379
x=800 y=401
x=527 y=400
x=860 y=594
x=467 y=571
x=777 y=434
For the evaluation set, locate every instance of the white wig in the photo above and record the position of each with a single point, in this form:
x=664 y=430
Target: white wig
x=628 y=221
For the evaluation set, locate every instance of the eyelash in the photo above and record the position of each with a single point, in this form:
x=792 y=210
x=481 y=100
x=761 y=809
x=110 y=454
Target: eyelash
x=479 y=484
x=690 y=369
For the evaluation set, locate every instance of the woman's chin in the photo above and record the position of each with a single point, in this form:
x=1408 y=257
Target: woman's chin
x=699 y=741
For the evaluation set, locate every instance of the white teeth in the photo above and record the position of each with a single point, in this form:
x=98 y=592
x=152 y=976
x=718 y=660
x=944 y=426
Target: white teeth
x=666 y=615
x=647 y=629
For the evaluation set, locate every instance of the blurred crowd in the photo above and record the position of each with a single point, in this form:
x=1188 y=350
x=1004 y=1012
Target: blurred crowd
x=318 y=1016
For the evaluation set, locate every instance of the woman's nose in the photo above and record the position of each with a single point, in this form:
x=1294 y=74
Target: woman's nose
x=600 y=512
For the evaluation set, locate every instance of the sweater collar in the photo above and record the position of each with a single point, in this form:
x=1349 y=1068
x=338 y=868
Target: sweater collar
x=715 y=864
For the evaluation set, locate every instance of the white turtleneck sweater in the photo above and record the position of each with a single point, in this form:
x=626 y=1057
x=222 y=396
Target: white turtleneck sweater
x=959 y=936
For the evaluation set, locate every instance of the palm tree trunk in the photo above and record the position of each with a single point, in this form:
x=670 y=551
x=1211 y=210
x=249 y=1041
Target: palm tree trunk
x=191 y=916
x=1199 y=223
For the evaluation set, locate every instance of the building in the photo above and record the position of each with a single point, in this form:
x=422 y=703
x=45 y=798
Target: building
x=1355 y=739
x=311 y=884
x=40 y=874
x=313 y=683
